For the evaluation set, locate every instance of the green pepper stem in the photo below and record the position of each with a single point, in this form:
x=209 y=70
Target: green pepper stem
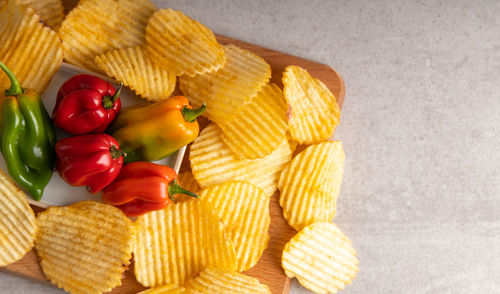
x=116 y=153
x=15 y=87
x=109 y=101
x=174 y=188
x=190 y=115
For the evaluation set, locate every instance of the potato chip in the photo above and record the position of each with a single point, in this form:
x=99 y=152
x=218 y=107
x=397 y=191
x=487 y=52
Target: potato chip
x=94 y=27
x=166 y=289
x=176 y=243
x=182 y=45
x=244 y=210
x=321 y=257
x=31 y=50
x=215 y=281
x=230 y=88
x=313 y=112
x=310 y=184
x=212 y=162
x=293 y=144
x=133 y=67
x=260 y=127
x=51 y=11
x=17 y=222
x=85 y=247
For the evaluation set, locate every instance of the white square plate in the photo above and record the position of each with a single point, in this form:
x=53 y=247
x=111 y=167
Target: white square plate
x=58 y=192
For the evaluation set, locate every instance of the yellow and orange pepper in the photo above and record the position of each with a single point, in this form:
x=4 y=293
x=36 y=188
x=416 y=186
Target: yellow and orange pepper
x=153 y=131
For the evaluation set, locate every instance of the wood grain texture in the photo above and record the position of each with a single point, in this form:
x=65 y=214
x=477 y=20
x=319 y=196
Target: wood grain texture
x=268 y=270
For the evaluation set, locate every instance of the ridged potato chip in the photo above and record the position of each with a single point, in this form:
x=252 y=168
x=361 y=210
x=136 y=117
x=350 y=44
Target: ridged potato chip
x=134 y=68
x=313 y=110
x=182 y=45
x=17 y=222
x=31 y=50
x=313 y=166
x=321 y=257
x=166 y=289
x=310 y=184
x=51 y=11
x=244 y=210
x=94 y=27
x=229 y=89
x=176 y=243
x=293 y=144
x=215 y=281
x=85 y=247
x=260 y=127
x=212 y=162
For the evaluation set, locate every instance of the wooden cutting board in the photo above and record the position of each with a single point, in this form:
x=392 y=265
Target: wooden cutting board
x=268 y=270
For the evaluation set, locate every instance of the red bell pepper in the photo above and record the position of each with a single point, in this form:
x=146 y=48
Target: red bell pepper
x=86 y=104
x=142 y=187
x=89 y=160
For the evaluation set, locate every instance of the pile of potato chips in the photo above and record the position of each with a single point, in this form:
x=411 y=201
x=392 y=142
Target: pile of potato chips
x=248 y=151
x=28 y=48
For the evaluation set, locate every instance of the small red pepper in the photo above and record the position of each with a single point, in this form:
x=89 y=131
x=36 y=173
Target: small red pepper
x=89 y=160
x=142 y=187
x=86 y=104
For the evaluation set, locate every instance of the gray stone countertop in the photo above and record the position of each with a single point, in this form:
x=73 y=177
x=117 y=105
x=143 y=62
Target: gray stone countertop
x=421 y=129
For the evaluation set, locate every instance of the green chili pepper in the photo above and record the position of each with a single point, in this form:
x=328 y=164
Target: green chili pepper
x=27 y=137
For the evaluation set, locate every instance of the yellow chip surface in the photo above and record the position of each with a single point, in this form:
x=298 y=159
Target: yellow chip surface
x=310 y=184
x=31 y=50
x=17 y=222
x=94 y=27
x=51 y=11
x=212 y=162
x=166 y=289
x=260 y=127
x=215 y=281
x=178 y=242
x=313 y=110
x=134 y=68
x=229 y=89
x=321 y=257
x=85 y=247
x=244 y=210
x=182 y=45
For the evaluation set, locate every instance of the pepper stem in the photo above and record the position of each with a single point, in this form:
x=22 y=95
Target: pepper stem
x=15 y=87
x=116 y=153
x=190 y=115
x=174 y=188
x=109 y=101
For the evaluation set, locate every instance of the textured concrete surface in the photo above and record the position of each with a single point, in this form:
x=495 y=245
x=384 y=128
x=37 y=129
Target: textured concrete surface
x=421 y=128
